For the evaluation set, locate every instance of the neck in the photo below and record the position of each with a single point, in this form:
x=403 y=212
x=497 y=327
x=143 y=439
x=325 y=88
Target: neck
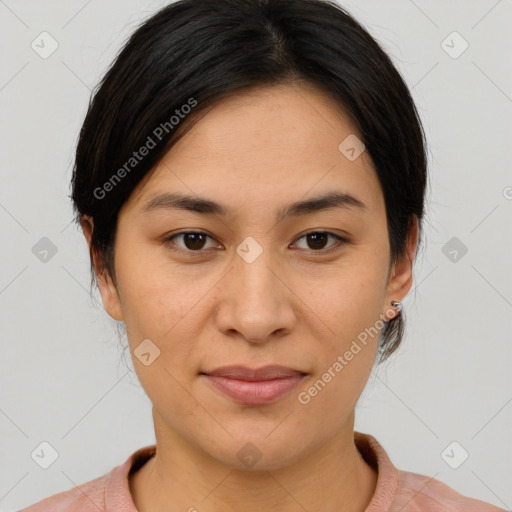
x=181 y=477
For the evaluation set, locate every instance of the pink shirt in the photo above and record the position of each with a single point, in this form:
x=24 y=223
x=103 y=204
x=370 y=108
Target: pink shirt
x=396 y=491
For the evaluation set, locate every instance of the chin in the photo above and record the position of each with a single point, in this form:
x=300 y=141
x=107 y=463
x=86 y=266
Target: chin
x=258 y=453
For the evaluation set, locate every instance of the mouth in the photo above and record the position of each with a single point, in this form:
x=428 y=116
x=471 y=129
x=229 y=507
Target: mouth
x=254 y=386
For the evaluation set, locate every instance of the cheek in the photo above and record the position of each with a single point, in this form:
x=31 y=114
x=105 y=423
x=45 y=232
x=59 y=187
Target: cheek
x=350 y=306
x=163 y=311
x=349 y=299
x=170 y=309
x=154 y=295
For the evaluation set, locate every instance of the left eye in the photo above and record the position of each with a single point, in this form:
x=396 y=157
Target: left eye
x=194 y=241
x=318 y=240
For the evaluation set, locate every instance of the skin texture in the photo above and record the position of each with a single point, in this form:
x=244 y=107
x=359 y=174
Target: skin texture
x=255 y=153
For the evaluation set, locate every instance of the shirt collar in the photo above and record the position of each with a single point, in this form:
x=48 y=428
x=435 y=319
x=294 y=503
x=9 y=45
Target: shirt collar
x=118 y=497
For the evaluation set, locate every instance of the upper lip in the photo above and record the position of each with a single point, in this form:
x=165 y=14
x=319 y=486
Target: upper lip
x=270 y=372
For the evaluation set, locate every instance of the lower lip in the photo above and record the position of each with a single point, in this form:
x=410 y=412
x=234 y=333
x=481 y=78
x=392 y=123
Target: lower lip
x=255 y=392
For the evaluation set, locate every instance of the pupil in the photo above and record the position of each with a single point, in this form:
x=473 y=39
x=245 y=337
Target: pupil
x=316 y=240
x=315 y=237
x=194 y=237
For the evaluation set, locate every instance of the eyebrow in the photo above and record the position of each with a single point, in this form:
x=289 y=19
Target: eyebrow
x=174 y=201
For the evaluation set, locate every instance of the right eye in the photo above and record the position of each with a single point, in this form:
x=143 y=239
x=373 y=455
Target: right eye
x=193 y=241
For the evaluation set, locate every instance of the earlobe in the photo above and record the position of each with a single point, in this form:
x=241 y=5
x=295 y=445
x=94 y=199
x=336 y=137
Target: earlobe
x=402 y=277
x=87 y=223
x=110 y=296
x=108 y=290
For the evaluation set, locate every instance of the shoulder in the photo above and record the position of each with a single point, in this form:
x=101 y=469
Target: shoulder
x=82 y=498
x=405 y=491
x=109 y=492
x=420 y=492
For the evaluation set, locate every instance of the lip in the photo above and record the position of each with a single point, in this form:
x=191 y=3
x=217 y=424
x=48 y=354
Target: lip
x=254 y=386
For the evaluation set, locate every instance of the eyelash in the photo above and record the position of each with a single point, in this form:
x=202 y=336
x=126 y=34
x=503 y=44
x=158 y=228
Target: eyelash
x=340 y=242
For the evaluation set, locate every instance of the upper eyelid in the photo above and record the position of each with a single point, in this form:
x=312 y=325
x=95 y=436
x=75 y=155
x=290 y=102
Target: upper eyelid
x=339 y=238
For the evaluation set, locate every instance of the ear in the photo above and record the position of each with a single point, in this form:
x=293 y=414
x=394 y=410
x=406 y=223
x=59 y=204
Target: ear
x=401 y=278
x=108 y=290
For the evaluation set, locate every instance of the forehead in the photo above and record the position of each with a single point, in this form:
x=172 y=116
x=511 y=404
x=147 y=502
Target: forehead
x=266 y=145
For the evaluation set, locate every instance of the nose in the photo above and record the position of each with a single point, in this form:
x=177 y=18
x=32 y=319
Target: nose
x=255 y=301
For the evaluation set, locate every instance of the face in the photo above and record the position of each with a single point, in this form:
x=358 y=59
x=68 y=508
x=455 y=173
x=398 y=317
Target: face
x=260 y=283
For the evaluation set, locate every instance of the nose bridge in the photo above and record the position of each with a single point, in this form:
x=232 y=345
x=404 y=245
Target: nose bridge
x=255 y=303
x=253 y=271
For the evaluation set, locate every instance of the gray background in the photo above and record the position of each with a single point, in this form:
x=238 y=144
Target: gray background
x=64 y=378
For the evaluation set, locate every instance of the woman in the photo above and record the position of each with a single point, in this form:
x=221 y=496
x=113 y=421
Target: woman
x=250 y=178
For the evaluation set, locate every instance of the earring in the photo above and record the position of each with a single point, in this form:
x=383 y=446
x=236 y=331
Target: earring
x=397 y=305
